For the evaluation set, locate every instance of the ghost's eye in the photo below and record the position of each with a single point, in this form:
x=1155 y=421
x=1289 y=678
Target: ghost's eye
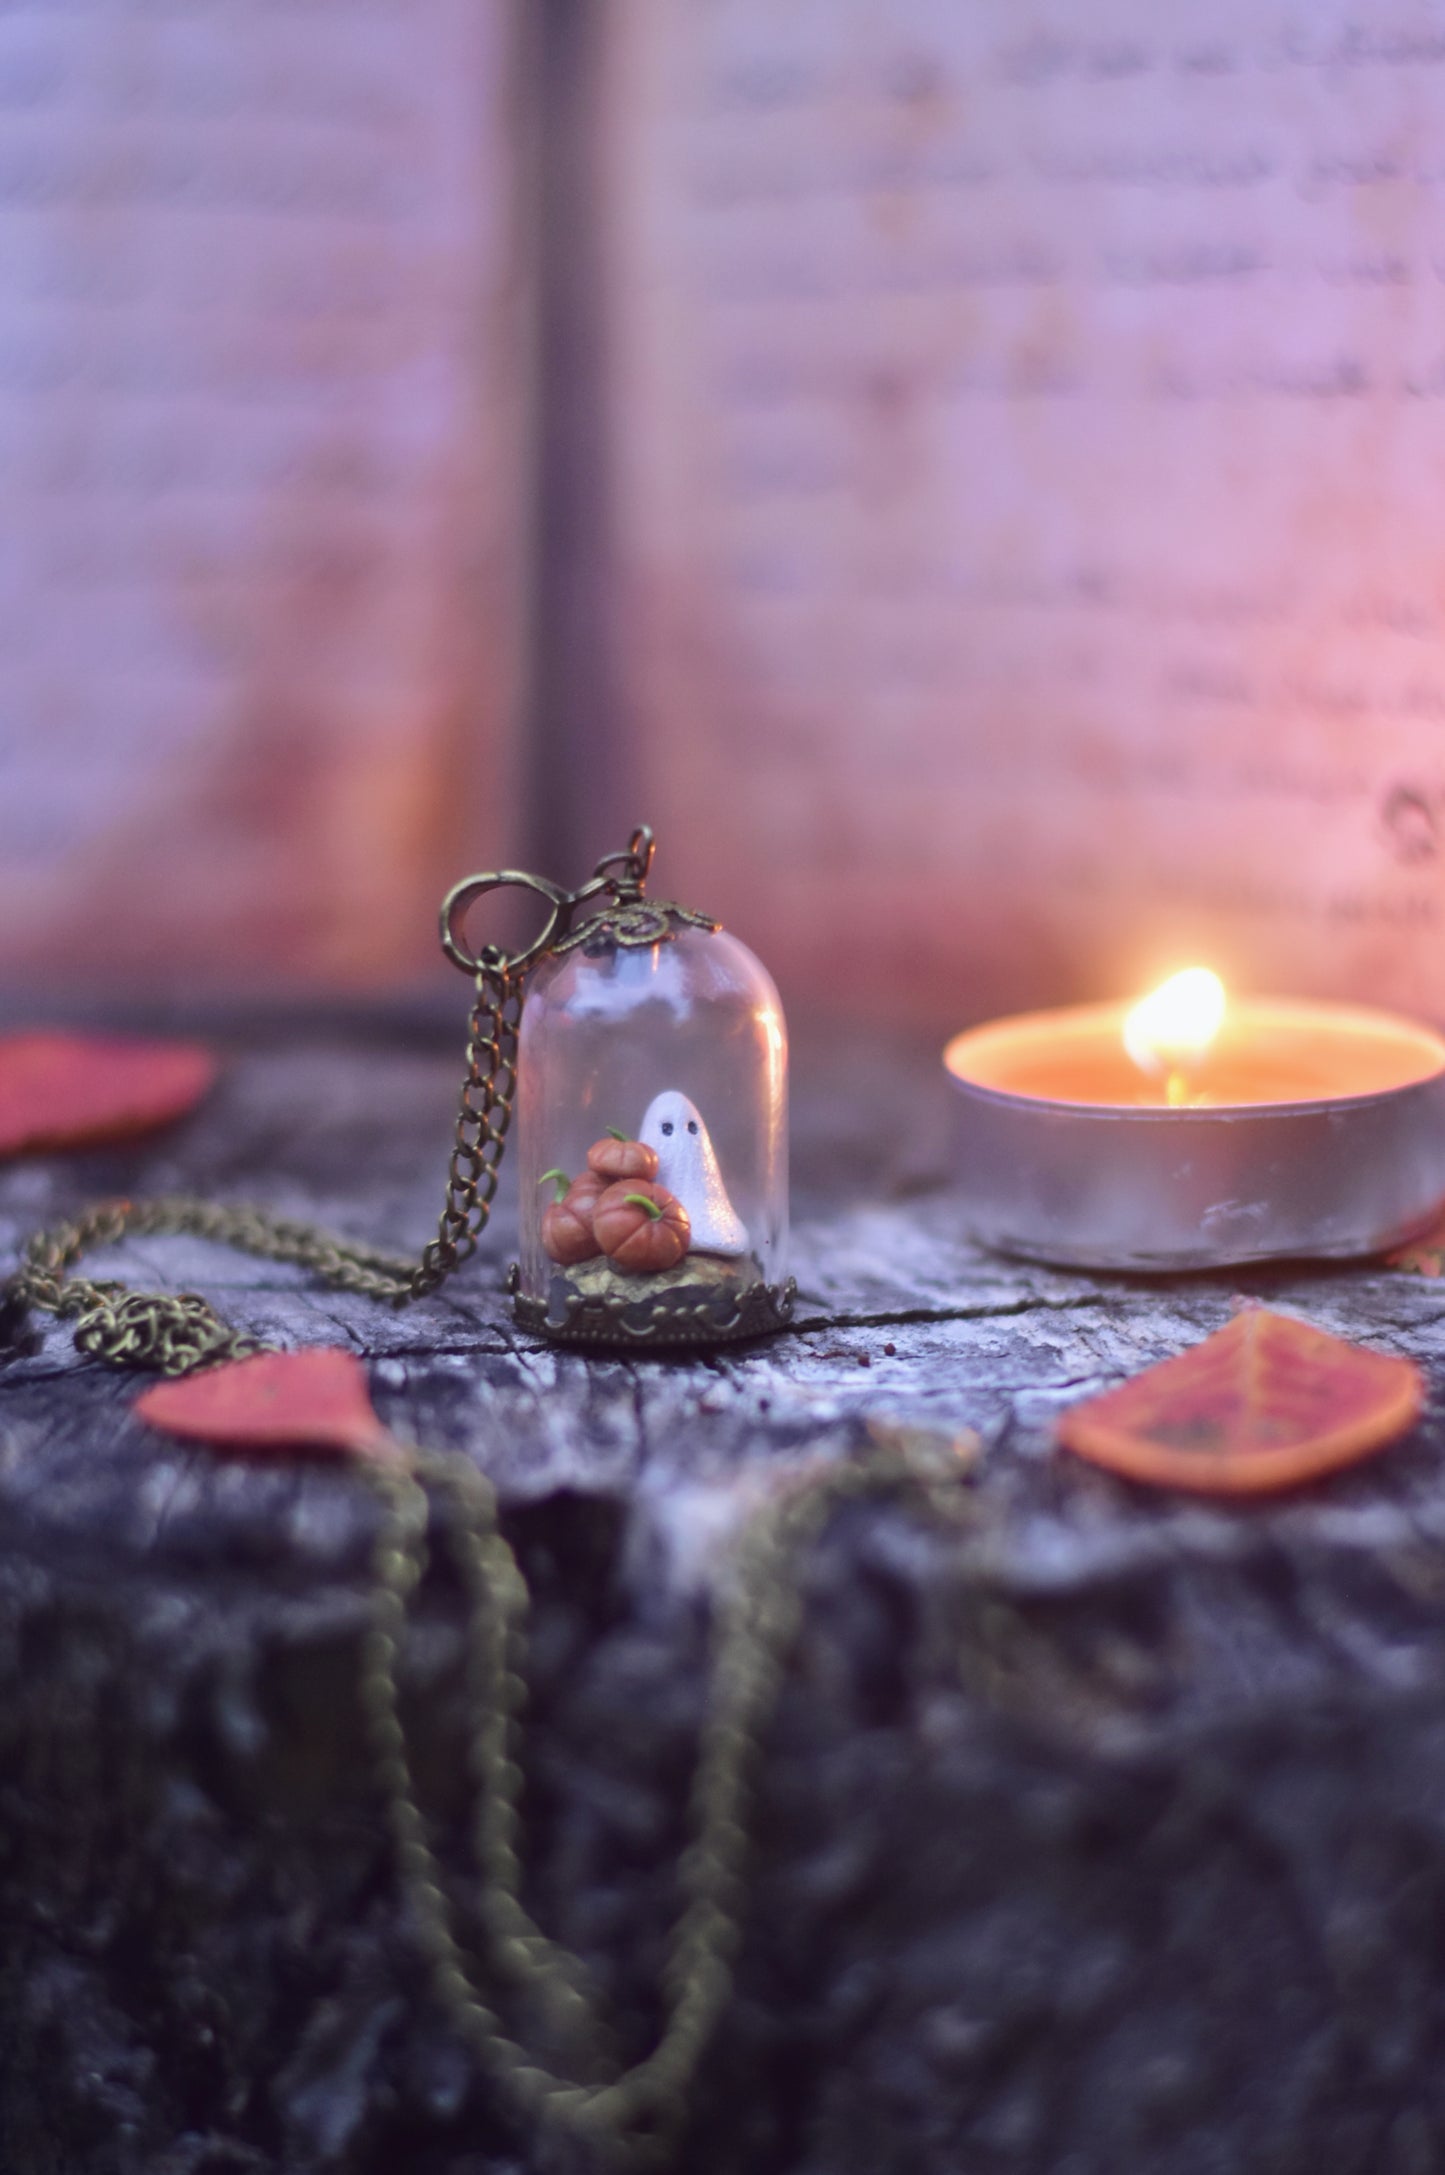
x=667 y=1126
x=692 y=1125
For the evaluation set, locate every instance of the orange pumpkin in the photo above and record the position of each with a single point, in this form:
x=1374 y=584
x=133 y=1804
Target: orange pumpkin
x=613 y=1159
x=641 y=1227
x=567 y=1227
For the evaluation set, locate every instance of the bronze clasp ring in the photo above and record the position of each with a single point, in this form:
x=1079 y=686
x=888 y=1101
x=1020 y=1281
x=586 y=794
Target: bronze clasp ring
x=626 y=886
x=491 y=959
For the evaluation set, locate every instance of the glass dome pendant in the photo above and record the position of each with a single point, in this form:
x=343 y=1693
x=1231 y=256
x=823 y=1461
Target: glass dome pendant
x=651 y=1113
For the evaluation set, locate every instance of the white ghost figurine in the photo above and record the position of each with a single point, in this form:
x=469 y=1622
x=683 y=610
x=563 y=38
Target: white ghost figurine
x=687 y=1166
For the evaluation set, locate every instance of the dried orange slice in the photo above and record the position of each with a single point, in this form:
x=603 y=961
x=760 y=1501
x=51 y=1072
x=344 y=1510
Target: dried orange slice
x=1266 y=1403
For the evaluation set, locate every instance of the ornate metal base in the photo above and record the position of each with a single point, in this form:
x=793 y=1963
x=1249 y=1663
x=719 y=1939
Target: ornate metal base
x=683 y=1314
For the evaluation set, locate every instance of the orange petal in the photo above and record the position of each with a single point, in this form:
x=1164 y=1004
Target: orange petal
x=315 y=1399
x=1265 y=1403
x=70 y=1091
x=1424 y=1254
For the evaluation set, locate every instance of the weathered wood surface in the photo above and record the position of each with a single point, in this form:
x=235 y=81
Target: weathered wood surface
x=1097 y=1830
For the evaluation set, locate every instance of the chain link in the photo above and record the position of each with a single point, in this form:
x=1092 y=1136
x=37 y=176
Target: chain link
x=483 y=1120
x=171 y=1333
x=635 y=2113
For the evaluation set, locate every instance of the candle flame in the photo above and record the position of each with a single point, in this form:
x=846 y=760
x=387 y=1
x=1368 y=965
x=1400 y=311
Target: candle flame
x=1169 y=1032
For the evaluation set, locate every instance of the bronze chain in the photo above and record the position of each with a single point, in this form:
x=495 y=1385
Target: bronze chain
x=172 y=1332
x=483 y=1119
x=633 y=2113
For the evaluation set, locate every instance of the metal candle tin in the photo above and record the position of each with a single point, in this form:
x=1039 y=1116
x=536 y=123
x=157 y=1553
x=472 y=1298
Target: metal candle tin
x=1137 y=1185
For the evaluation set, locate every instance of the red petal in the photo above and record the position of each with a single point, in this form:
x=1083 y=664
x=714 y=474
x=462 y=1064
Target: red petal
x=1264 y=1403
x=318 y=1399
x=69 y=1091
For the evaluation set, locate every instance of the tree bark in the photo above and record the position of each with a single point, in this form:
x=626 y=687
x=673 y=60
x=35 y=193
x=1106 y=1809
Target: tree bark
x=1097 y=1828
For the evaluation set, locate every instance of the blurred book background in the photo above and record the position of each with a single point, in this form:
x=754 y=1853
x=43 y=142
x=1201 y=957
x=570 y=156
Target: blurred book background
x=968 y=475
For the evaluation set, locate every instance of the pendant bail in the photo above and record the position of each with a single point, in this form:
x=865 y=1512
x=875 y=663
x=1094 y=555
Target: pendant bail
x=636 y=865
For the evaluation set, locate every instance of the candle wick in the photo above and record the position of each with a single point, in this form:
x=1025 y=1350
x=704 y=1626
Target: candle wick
x=1177 y=1090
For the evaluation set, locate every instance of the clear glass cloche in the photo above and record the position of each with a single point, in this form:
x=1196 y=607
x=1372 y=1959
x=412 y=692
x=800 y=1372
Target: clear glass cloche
x=651 y=1132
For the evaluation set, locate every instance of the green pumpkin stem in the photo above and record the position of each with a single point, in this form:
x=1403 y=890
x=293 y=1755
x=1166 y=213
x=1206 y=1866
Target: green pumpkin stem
x=559 y=1179
x=640 y=1200
x=616 y=1132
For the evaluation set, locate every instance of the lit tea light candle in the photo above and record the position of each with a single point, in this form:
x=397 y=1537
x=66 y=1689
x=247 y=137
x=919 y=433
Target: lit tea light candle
x=1190 y=1130
x=1170 y=1032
